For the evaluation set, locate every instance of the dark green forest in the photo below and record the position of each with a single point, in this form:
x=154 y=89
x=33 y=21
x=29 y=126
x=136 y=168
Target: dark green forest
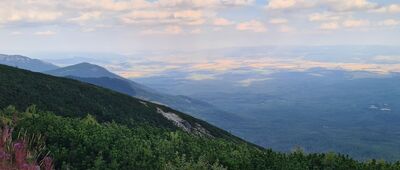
x=88 y=127
x=84 y=143
x=72 y=98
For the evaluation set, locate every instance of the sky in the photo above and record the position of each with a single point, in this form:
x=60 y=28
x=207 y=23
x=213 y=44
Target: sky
x=128 y=26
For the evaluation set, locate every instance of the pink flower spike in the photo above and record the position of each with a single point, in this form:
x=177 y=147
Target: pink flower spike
x=20 y=153
x=48 y=163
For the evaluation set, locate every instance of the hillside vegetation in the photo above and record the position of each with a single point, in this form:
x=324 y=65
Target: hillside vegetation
x=72 y=98
x=88 y=127
x=83 y=143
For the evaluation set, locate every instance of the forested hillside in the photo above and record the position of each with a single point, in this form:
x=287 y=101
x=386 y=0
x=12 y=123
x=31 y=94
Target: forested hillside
x=72 y=98
x=84 y=143
x=88 y=127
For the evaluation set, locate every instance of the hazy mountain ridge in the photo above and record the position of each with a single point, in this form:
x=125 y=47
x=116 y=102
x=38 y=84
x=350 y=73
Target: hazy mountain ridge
x=83 y=70
x=73 y=98
x=26 y=63
x=100 y=76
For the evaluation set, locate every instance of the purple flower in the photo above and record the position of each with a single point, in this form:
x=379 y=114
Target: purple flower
x=48 y=163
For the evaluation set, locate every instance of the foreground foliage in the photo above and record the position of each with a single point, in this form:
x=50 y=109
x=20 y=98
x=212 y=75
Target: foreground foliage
x=20 y=151
x=83 y=143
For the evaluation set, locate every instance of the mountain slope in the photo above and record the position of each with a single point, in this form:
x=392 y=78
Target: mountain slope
x=26 y=63
x=100 y=76
x=128 y=133
x=68 y=97
x=83 y=70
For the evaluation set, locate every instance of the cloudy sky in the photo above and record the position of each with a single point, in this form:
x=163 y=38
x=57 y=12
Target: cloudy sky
x=125 y=26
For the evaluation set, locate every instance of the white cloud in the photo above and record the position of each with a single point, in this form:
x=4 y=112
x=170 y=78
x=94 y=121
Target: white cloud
x=351 y=23
x=286 y=29
x=253 y=25
x=389 y=22
x=88 y=29
x=202 y=3
x=323 y=17
x=331 y=5
x=390 y=59
x=16 y=33
x=196 y=31
x=107 y=5
x=188 y=12
x=237 y=2
x=348 y=23
x=348 y=5
x=168 y=30
x=250 y=81
x=187 y=17
x=87 y=16
x=278 y=21
x=393 y=8
x=222 y=22
x=199 y=77
x=13 y=15
x=45 y=33
x=329 y=26
x=173 y=30
x=288 y=4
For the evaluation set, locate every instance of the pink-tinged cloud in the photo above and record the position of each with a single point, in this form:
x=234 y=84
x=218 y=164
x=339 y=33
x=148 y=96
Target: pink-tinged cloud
x=253 y=25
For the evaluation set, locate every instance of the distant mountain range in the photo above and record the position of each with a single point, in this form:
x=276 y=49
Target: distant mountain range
x=100 y=76
x=26 y=63
x=83 y=70
x=318 y=109
x=90 y=127
x=72 y=98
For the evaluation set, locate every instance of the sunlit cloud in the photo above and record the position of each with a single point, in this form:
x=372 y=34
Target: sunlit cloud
x=86 y=16
x=389 y=59
x=351 y=23
x=222 y=22
x=389 y=22
x=324 y=17
x=206 y=69
x=348 y=5
x=332 y=5
x=253 y=25
x=278 y=21
x=329 y=26
x=45 y=33
x=198 y=77
x=288 y=4
x=393 y=8
x=151 y=24
x=248 y=82
x=16 y=33
x=286 y=29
